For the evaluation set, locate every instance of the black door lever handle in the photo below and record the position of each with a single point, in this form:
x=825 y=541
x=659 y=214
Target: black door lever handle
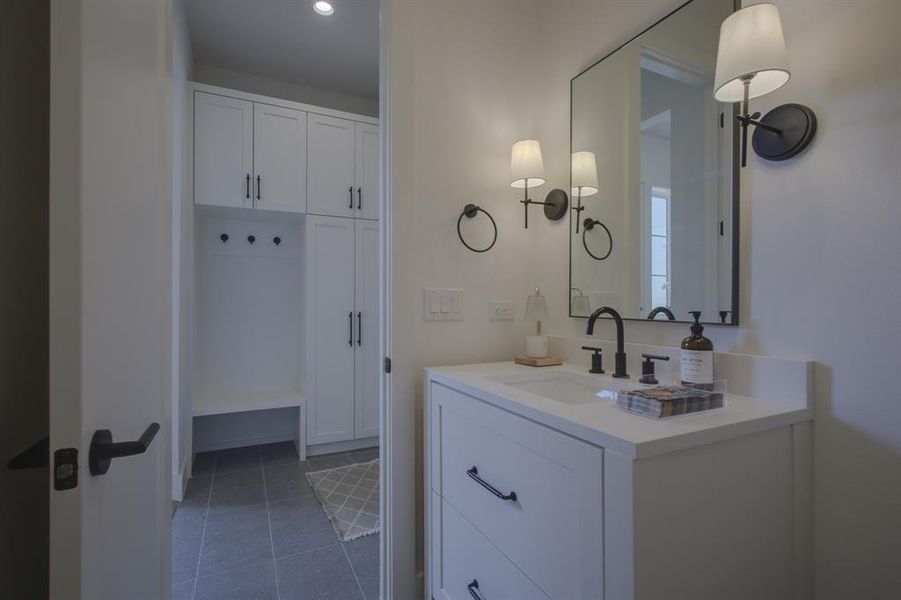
x=103 y=450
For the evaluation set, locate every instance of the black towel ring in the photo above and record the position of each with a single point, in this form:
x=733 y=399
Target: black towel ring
x=588 y=225
x=470 y=211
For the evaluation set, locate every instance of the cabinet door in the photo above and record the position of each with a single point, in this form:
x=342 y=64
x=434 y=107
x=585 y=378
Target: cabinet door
x=330 y=329
x=367 y=361
x=223 y=150
x=366 y=171
x=279 y=158
x=330 y=166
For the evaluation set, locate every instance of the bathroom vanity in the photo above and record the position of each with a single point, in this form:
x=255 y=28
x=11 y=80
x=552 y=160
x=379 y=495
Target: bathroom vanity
x=538 y=488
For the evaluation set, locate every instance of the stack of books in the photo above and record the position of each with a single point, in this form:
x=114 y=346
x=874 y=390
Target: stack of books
x=668 y=401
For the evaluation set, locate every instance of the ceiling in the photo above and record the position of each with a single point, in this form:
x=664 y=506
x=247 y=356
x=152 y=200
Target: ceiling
x=286 y=40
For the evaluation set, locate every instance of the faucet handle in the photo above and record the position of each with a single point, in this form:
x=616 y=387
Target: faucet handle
x=647 y=368
x=597 y=360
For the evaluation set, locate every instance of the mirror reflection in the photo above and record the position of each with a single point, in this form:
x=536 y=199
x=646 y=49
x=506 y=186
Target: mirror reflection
x=654 y=180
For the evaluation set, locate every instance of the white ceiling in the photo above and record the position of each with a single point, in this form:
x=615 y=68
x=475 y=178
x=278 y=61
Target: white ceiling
x=286 y=40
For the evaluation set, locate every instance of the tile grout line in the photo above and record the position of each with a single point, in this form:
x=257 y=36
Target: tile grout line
x=269 y=522
x=353 y=570
x=206 y=516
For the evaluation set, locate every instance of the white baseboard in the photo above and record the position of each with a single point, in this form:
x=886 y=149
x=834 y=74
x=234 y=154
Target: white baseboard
x=180 y=479
x=347 y=446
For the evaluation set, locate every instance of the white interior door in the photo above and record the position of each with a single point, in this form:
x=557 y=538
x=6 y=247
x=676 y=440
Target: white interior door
x=366 y=170
x=331 y=329
x=280 y=158
x=223 y=151
x=109 y=290
x=330 y=166
x=366 y=362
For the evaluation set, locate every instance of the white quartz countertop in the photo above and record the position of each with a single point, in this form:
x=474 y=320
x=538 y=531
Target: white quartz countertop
x=603 y=424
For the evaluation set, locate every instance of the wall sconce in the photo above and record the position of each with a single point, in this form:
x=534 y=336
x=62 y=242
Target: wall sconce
x=750 y=62
x=527 y=169
x=584 y=180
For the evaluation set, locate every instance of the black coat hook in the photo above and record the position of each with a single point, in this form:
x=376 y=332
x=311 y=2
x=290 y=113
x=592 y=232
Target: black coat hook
x=470 y=211
x=251 y=238
x=276 y=240
x=224 y=237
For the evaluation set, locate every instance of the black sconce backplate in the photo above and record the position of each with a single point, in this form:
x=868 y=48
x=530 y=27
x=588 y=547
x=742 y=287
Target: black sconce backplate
x=798 y=125
x=555 y=204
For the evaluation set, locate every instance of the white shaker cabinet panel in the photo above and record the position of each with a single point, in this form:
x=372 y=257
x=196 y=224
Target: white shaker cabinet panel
x=331 y=329
x=279 y=158
x=367 y=362
x=223 y=151
x=330 y=166
x=366 y=171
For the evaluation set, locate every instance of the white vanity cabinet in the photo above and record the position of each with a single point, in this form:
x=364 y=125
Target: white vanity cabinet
x=341 y=283
x=532 y=498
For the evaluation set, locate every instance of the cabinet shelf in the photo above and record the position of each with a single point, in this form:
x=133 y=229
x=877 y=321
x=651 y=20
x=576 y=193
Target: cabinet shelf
x=209 y=403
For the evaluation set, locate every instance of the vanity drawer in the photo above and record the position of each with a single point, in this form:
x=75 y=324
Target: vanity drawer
x=553 y=528
x=469 y=561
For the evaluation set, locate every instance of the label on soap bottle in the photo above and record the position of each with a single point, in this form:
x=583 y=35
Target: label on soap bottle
x=697 y=367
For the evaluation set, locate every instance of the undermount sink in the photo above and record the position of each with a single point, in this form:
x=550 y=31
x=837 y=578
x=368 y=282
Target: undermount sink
x=560 y=386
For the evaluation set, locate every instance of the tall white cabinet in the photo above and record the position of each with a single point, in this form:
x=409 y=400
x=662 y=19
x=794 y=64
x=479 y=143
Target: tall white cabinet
x=287 y=273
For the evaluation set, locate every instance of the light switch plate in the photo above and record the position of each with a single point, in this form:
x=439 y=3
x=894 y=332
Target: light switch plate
x=442 y=304
x=500 y=310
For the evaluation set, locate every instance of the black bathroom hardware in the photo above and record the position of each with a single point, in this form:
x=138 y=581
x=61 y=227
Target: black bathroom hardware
x=359 y=329
x=597 y=361
x=276 y=240
x=661 y=310
x=247 y=187
x=723 y=315
x=619 y=358
x=470 y=211
x=647 y=368
x=350 y=328
x=103 y=450
x=251 y=238
x=259 y=187
x=474 y=475
x=589 y=225
x=350 y=191
x=473 y=587
x=224 y=237
x=359 y=198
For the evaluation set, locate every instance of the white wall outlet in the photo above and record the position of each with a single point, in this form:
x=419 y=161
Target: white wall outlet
x=442 y=304
x=500 y=310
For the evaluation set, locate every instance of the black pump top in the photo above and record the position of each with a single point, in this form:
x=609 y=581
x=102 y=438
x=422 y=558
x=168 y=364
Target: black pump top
x=696 y=327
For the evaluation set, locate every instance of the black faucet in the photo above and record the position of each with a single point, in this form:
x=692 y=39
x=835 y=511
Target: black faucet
x=620 y=357
x=662 y=309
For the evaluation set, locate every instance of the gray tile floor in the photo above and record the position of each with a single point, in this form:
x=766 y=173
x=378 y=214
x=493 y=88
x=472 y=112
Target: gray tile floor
x=250 y=528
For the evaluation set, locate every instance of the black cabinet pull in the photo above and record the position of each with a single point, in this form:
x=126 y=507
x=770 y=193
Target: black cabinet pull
x=103 y=450
x=259 y=187
x=474 y=475
x=359 y=198
x=351 y=191
x=247 y=186
x=359 y=329
x=350 y=323
x=473 y=587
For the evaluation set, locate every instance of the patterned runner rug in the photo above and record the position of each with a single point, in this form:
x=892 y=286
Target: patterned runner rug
x=349 y=495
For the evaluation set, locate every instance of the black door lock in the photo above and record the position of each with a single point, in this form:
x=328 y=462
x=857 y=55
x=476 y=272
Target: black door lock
x=65 y=469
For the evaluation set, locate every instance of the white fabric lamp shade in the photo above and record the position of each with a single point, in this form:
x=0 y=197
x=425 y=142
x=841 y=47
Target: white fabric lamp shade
x=526 y=165
x=536 y=309
x=751 y=44
x=584 y=173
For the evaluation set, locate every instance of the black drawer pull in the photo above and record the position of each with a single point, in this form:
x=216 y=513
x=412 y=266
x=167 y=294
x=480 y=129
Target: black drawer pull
x=350 y=327
x=473 y=588
x=359 y=198
x=247 y=188
x=359 y=329
x=351 y=190
x=474 y=475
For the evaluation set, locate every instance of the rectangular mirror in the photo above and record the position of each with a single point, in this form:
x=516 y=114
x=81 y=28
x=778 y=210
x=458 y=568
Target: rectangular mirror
x=654 y=219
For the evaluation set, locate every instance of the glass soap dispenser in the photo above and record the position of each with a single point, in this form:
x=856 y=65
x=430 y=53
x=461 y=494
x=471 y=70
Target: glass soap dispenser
x=697 y=357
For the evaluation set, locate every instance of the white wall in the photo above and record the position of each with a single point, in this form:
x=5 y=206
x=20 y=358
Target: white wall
x=24 y=164
x=820 y=256
x=266 y=86
x=183 y=250
x=821 y=265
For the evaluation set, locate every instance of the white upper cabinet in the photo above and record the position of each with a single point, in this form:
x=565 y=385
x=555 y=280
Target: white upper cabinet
x=279 y=158
x=330 y=167
x=223 y=151
x=366 y=362
x=366 y=171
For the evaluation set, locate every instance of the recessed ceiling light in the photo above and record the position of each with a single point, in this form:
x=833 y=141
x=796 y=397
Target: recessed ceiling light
x=323 y=8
